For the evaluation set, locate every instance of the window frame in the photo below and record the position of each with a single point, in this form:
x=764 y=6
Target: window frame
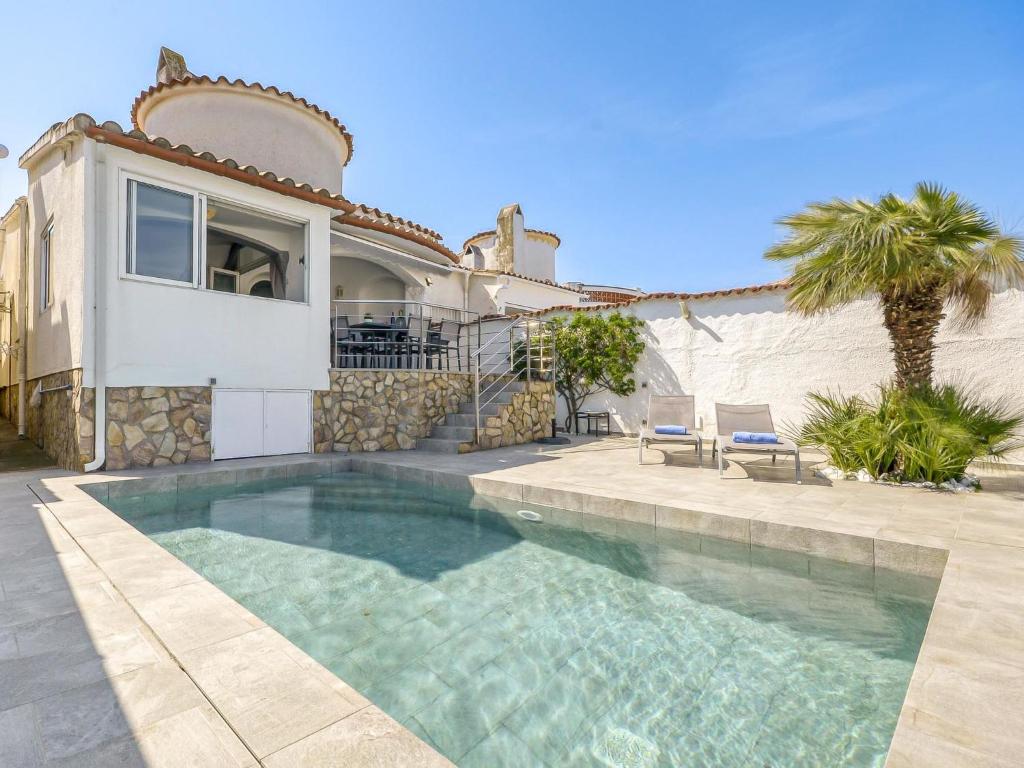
x=46 y=266
x=126 y=222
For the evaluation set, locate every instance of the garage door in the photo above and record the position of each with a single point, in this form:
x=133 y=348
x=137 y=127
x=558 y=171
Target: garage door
x=258 y=422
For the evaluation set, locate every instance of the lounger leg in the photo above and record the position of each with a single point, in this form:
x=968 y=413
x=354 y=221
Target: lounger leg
x=796 y=458
x=700 y=452
x=640 y=451
x=773 y=458
x=721 y=469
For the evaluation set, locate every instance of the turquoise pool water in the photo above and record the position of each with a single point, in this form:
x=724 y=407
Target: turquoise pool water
x=575 y=641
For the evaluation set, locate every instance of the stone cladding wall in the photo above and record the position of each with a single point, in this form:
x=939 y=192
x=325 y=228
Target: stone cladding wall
x=527 y=418
x=60 y=419
x=384 y=410
x=156 y=426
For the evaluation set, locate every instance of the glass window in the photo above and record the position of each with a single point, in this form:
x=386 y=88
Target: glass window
x=45 y=288
x=266 y=254
x=162 y=224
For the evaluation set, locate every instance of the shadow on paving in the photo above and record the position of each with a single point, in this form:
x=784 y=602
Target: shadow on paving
x=17 y=454
x=58 y=703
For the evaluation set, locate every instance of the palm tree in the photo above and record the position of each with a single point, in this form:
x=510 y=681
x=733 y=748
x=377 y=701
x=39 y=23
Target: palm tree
x=918 y=256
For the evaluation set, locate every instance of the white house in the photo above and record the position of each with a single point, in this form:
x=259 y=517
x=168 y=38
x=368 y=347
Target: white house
x=182 y=289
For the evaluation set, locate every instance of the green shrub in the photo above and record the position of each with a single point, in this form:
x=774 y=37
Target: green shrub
x=922 y=435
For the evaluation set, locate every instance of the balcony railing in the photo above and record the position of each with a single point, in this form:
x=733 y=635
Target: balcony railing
x=381 y=334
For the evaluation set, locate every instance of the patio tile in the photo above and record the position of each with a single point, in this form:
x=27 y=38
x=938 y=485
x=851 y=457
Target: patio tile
x=368 y=737
x=194 y=615
x=269 y=698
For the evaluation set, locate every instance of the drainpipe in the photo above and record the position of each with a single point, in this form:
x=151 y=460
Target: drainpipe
x=23 y=289
x=93 y=235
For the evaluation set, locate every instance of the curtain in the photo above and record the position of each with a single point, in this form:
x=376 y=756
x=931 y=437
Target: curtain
x=279 y=274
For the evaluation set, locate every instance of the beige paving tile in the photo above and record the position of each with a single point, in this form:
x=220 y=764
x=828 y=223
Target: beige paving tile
x=86 y=518
x=993 y=526
x=269 y=698
x=154 y=571
x=914 y=748
x=195 y=737
x=151 y=705
x=969 y=701
x=366 y=738
x=193 y=615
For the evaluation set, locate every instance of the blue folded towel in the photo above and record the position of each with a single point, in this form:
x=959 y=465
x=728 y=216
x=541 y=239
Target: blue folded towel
x=755 y=437
x=670 y=429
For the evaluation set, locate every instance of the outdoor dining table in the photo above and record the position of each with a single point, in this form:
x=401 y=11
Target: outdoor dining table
x=370 y=330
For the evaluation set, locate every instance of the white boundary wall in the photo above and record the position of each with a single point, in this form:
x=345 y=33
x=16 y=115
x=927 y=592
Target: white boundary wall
x=747 y=348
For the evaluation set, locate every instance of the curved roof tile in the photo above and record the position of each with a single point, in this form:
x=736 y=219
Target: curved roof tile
x=199 y=80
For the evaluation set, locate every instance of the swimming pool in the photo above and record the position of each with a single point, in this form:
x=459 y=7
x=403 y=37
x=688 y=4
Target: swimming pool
x=573 y=641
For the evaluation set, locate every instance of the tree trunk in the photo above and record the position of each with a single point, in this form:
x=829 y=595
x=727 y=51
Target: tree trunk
x=912 y=321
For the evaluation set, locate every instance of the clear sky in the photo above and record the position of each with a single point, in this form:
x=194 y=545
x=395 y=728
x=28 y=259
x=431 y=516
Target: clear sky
x=660 y=141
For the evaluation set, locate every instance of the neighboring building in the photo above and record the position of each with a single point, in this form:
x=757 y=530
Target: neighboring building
x=513 y=268
x=174 y=289
x=605 y=294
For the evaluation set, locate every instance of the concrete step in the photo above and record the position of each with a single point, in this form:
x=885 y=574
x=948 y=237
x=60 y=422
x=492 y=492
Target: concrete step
x=460 y=420
x=440 y=445
x=491 y=409
x=454 y=432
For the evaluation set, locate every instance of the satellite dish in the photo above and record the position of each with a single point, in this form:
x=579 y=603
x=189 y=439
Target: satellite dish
x=3 y=152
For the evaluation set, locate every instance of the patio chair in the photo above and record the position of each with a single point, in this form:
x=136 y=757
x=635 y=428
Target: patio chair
x=749 y=418
x=417 y=327
x=441 y=343
x=674 y=410
x=347 y=347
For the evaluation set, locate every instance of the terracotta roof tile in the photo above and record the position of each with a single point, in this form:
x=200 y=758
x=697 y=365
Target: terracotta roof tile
x=552 y=235
x=199 y=80
x=492 y=233
x=136 y=141
x=765 y=288
x=526 y=277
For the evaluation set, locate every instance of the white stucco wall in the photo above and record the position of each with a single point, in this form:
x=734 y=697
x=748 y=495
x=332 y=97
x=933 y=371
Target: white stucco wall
x=57 y=190
x=10 y=268
x=537 y=259
x=251 y=128
x=168 y=335
x=749 y=349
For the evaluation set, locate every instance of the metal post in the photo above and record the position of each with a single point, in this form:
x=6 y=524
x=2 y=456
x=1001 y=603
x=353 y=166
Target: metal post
x=424 y=337
x=527 y=356
x=476 y=396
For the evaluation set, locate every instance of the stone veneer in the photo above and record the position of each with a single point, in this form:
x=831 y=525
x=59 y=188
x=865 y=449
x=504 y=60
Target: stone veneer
x=61 y=420
x=384 y=410
x=527 y=418
x=156 y=426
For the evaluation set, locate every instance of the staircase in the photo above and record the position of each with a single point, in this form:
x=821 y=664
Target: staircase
x=505 y=359
x=457 y=434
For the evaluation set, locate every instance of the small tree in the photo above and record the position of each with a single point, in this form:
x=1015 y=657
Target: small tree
x=596 y=353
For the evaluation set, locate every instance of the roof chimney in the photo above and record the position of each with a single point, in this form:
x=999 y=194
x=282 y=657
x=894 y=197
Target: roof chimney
x=170 y=66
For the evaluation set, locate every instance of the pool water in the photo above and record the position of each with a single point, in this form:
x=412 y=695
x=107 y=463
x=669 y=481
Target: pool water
x=574 y=641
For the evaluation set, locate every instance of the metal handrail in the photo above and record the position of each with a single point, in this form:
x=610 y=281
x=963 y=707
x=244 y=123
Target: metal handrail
x=392 y=351
x=506 y=370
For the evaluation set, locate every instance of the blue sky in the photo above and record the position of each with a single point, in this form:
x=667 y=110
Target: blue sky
x=660 y=141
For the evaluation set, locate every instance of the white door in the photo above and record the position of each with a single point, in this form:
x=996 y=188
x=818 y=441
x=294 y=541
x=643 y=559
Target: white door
x=256 y=422
x=286 y=422
x=237 y=423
